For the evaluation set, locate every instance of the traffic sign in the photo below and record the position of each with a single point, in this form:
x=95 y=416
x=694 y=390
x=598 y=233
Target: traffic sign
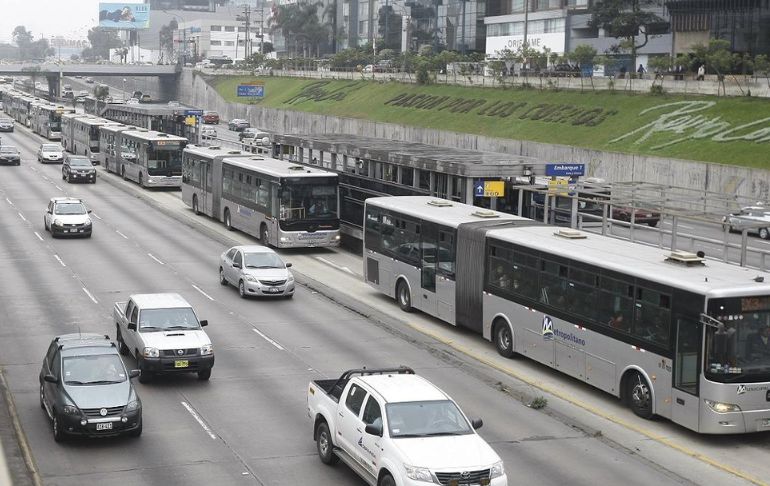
x=251 y=90
x=478 y=188
x=193 y=112
x=565 y=170
x=482 y=188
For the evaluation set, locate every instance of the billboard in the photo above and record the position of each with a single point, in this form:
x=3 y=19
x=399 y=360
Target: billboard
x=124 y=16
x=256 y=90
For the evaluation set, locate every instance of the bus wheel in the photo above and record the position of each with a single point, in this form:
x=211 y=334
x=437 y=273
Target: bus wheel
x=195 y=204
x=228 y=224
x=123 y=171
x=263 y=235
x=141 y=183
x=764 y=233
x=503 y=338
x=403 y=297
x=639 y=395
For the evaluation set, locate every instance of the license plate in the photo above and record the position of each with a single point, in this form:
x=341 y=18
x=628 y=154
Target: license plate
x=181 y=363
x=273 y=290
x=104 y=426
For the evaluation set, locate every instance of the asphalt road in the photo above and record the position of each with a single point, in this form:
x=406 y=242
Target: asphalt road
x=248 y=424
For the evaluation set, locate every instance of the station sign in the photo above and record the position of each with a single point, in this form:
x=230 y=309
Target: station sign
x=560 y=187
x=482 y=188
x=193 y=112
x=565 y=170
x=252 y=90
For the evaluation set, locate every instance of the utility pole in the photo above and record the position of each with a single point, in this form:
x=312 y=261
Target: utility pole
x=246 y=19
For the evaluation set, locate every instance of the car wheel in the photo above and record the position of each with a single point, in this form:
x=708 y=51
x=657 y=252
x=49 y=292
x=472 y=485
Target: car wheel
x=195 y=205
x=764 y=233
x=62 y=176
x=324 y=445
x=228 y=221
x=42 y=400
x=145 y=376
x=387 y=480
x=653 y=224
x=222 y=279
x=403 y=297
x=122 y=348
x=45 y=225
x=204 y=375
x=58 y=433
x=241 y=289
x=290 y=296
x=137 y=431
x=503 y=339
x=639 y=396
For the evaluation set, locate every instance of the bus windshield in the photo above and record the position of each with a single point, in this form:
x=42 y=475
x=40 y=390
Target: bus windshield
x=164 y=160
x=738 y=350
x=309 y=199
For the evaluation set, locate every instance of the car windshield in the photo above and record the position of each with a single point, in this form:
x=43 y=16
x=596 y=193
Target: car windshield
x=70 y=208
x=262 y=260
x=98 y=369
x=738 y=348
x=426 y=419
x=80 y=162
x=151 y=320
x=51 y=147
x=9 y=150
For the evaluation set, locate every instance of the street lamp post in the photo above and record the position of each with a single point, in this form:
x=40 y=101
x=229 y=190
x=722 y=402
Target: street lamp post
x=123 y=95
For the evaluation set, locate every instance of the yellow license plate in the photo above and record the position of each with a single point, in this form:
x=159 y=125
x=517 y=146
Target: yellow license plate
x=181 y=363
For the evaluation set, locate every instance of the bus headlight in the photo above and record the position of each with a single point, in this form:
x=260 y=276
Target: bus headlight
x=720 y=407
x=336 y=237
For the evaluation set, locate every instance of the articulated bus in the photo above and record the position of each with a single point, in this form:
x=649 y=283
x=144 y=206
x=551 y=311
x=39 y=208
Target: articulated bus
x=80 y=135
x=21 y=108
x=109 y=146
x=150 y=158
x=46 y=119
x=670 y=334
x=284 y=204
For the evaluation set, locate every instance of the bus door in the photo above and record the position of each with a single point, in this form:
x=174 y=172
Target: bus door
x=684 y=396
x=427 y=301
x=205 y=198
x=445 y=280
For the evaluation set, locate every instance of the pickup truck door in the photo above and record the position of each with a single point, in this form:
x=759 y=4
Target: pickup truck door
x=132 y=340
x=349 y=427
x=369 y=446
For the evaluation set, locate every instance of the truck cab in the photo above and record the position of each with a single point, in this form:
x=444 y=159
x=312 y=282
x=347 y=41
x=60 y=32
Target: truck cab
x=394 y=428
x=163 y=333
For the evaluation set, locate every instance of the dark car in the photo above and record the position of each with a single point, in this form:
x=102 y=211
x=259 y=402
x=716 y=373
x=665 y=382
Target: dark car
x=6 y=124
x=137 y=94
x=78 y=168
x=238 y=125
x=211 y=117
x=565 y=71
x=640 y=215
x=10 y=155
x=86 y=390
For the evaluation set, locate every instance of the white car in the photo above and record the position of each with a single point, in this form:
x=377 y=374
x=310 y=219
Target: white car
x=208 y=132
x=50 y=152
x=256 y=271
x=754 y=219
x=67 y=216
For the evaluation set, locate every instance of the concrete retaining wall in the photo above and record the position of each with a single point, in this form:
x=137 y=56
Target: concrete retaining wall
x=751 y=184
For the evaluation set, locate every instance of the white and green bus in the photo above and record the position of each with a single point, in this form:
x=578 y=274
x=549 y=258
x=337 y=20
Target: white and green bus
x=285 y=205
x=670 y=333
x=150 y=158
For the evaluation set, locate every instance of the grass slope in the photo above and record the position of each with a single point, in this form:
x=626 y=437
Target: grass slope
x=545 y=116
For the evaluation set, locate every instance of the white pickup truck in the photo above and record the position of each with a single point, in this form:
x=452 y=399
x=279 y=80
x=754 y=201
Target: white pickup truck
x=394 y=428
x=164 y=335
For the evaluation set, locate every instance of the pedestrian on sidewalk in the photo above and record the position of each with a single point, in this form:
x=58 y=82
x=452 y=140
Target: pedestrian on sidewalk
x=701 y=72
x=641 y=71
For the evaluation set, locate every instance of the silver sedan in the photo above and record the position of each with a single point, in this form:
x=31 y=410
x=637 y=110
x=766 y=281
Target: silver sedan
x=256 y=271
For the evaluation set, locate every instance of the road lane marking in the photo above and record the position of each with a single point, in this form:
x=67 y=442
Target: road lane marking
x=338 y=267
x=153 y=257
x=199 y=420
x=121 y=234
x=9 y=201
x=90 y=296
x=22 y=217
x=268 y=339
x=38 y=236
x=57 y=187
x=96 y=216
x=202 y=292
x=60 y=261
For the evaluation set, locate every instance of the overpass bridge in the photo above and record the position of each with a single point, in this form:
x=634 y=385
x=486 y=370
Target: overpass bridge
x=167 y=74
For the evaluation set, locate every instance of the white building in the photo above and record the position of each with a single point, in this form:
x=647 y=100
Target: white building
x=207 y=38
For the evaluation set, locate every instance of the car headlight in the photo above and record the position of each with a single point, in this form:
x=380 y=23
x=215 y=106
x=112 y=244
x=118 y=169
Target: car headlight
x=290 y=279
x=88 y=222
x=418 y=473
x=207 y=349
x=150 y=352
x=720 y=407
x=496 y=470
x=71 y=410
x=133 y=405
x=250 y=278
x=57 y=222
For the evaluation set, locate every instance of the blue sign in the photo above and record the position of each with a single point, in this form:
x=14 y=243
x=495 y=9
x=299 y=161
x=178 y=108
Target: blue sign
x=124 y=16
x=478 y=188
x=565 y=170
x=193 y=112
x=251 y=90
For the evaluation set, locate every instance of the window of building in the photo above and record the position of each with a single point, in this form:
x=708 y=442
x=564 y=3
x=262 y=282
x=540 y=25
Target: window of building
x=229 y=28
x=216 y=28
x=216 y=43
x=229 y=43
x=241 y=29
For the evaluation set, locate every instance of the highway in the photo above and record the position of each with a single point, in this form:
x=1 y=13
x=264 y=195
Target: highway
x=248 y=425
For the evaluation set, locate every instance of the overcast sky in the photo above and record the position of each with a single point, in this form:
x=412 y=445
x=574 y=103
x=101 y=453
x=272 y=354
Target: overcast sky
x=46 y=18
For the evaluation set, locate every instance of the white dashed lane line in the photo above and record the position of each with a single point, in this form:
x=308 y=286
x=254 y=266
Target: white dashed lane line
x=202 y=292
x=90 y=295
x=59 y=260
x=200 y=421
x=154 y=258
x=38 y=236
x=263 y=336
x=121 y=234
x=22 y=217
x=97 y=217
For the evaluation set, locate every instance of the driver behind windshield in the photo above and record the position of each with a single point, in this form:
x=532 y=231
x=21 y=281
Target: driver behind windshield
x=758 y=344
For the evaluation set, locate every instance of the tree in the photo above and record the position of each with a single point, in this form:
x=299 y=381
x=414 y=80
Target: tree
x=627 y=20
x=716 y=56
x=762 y=66
x=583 y=55
x=29 y=48
x=300 y=26
x=102 y=40
x=166 y=35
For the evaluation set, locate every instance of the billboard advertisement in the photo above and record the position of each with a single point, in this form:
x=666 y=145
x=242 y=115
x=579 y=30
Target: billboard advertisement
x=124 y=16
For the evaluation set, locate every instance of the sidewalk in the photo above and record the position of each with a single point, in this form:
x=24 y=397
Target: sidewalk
x=13 y=466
